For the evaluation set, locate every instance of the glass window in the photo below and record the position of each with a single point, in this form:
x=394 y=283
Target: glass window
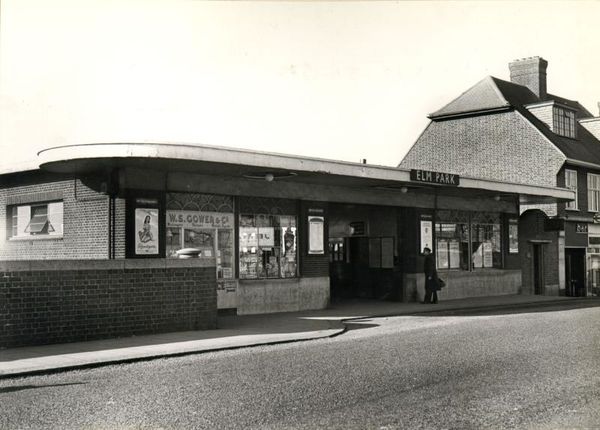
x=452 y=245
x=468 y=240
x=593 y=183
x=571 y=183
x=45 y=219
x=564 y=122
x=199 y=234
x=486 y=246
x=268 y=246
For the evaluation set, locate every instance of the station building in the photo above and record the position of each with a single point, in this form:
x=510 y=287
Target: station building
x=117 y=239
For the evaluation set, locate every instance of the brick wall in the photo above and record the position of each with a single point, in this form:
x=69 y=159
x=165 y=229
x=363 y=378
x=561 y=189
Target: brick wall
x=85 y=219
x=68 y=301
x=545 y=114
x=502 y=146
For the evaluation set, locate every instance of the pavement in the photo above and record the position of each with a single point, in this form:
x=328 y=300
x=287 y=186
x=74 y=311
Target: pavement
x=242 y=332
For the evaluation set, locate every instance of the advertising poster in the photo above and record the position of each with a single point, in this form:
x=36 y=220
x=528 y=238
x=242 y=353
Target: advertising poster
x=442 y=254
x=266 y=236
x=488 y=260
x=315 y=235
x=426 y=235
x=513 y=237
x=147 y=233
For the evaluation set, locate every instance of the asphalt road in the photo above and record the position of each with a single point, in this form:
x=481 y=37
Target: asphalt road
x=504 y=370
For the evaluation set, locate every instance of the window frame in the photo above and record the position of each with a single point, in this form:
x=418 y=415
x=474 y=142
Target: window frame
x=564 y=122
x=258 y=224
x=593 y=192
x=572 y=174
x=48 y=231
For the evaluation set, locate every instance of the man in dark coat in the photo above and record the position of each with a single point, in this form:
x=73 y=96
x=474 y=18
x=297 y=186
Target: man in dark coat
x=431 y=282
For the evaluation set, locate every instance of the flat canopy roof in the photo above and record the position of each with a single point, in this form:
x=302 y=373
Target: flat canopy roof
x=230 y=162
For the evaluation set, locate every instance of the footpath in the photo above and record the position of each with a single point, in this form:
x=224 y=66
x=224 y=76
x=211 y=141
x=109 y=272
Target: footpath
x=248 y=331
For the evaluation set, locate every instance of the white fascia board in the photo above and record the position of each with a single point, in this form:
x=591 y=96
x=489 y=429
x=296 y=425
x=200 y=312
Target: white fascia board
x=265 y=160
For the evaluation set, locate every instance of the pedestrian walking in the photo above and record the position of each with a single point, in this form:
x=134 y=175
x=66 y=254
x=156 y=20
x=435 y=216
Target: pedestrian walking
x=431 y=279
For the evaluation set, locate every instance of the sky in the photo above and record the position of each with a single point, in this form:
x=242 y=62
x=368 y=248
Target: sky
x=338 y=80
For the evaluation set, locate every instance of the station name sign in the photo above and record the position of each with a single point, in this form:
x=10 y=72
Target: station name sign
x=431 y=177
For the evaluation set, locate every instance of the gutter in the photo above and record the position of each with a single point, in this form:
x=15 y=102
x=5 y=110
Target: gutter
x=582 y=163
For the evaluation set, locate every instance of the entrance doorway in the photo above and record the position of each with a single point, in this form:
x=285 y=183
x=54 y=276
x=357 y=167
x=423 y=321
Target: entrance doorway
x=575 y=271
x=363 y=261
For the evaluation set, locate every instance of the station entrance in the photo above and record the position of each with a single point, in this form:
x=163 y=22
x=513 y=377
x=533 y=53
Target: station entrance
x=363 y=252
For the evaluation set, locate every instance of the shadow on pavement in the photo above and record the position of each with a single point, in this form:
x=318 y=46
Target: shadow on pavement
x=35 y=387
x=508 y=309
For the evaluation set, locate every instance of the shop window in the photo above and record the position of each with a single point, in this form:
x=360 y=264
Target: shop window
x=452 y=245
x=39 y=219
x=268 y=246
x=468 y=241
x=593 y=183
x=196 y=230
x=571 y=184
x=486 y=246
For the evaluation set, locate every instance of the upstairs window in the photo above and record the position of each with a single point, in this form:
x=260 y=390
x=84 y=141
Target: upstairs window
x=593 y=182
x=564 y=122
x=39 y=219
x=571 y=184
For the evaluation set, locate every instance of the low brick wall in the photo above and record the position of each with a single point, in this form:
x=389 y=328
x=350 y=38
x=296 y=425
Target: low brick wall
x=43 y=302
x=462 y=284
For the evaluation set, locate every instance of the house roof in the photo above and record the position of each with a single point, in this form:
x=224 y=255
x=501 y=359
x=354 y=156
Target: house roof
x=493 y=94
x=483 y=96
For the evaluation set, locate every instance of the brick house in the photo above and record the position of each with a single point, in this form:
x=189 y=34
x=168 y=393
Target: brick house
x=518 y=132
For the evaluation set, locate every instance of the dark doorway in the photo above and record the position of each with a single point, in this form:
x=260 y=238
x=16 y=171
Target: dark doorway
x=538 y=269
x=575 y=271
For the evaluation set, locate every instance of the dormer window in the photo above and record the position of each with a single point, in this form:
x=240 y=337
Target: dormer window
x=564 y=122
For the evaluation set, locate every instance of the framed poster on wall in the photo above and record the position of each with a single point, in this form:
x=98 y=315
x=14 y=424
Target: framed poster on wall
x=316 y=237
x=426 y=235
x=147 y=231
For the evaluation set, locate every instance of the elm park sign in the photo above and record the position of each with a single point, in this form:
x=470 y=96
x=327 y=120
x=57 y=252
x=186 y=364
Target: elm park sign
x=431 y=177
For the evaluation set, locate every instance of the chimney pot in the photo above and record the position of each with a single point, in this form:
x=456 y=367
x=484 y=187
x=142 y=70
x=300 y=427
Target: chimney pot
x=531 y=73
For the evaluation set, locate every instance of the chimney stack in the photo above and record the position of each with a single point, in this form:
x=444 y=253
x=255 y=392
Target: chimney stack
x=531 y=73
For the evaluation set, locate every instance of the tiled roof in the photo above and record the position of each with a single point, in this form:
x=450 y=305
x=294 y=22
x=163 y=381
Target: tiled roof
x=493 y=93
x=482 y=96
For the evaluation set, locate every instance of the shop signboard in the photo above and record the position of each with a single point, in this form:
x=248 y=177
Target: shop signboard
x=147 y=231
x=197 y=219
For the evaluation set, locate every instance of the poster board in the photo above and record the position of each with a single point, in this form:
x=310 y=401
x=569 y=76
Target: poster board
x=147 y=231
x=316 y=236
x=426 y=235
x=488 y=260
x=442 y=254
x=454 y=251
